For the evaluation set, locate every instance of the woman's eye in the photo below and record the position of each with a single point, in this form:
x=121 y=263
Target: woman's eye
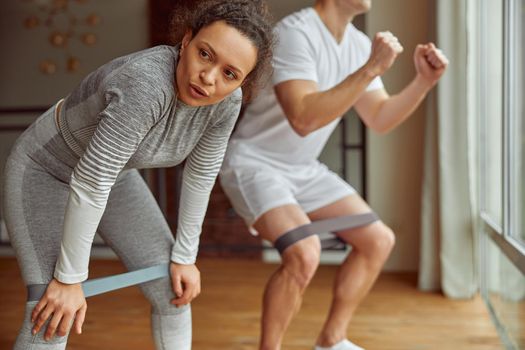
x=230 y=75
x=204 y=54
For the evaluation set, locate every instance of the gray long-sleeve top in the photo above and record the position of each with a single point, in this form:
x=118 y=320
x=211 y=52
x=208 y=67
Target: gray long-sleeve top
x=126 y=115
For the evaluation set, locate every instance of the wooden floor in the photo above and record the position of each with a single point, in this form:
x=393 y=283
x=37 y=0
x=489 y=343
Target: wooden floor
x=395 y=316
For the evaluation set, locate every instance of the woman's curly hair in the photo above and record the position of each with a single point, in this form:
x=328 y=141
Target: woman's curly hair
x=250 y=17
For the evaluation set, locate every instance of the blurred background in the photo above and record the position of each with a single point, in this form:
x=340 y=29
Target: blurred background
x=449 y=181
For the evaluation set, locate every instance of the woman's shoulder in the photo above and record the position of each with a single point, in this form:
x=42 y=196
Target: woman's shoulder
x=156 y=61
x=154 y=66
x=162 y=55
x=144 y=79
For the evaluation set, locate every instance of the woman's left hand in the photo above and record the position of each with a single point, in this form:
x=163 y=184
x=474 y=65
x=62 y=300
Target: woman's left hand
x=186 y=282
x=430 y=62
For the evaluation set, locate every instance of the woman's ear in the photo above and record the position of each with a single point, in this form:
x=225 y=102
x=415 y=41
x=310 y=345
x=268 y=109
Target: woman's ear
x=186 y=39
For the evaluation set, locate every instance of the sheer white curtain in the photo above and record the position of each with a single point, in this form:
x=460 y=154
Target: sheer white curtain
x=448 y=256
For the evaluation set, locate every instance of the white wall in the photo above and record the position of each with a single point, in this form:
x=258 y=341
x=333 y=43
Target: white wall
x=396 y=159
x=123 y=29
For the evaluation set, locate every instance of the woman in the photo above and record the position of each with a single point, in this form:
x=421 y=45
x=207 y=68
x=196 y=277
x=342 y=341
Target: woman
x=73 y=172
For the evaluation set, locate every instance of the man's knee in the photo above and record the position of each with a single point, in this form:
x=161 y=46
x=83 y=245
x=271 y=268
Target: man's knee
x=302 y=259
x=380 y=243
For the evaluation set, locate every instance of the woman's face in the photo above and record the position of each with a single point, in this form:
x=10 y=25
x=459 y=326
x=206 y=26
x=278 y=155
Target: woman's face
x=213 y=64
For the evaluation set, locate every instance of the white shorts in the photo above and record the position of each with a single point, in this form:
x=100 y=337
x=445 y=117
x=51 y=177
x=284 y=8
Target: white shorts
x=254 y=187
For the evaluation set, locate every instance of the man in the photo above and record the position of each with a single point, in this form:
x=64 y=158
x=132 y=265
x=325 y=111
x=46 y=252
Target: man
x=323 y=67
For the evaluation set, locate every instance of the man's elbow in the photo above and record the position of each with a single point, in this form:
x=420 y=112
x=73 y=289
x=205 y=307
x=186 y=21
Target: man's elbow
x=302 y=131
x=375 y=125
x=300 y=127
x=381 y=129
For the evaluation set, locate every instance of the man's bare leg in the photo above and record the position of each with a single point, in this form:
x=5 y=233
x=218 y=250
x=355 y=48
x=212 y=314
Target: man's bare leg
x=283 y=294
x=371 y=246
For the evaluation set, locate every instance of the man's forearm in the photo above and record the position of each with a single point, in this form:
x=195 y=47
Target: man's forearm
x=320 y=108
x=399 y=107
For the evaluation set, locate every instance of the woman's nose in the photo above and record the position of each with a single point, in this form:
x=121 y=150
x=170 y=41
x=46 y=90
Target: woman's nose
x=207 y=77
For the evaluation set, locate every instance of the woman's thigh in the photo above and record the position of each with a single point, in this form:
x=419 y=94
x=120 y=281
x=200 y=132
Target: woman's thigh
x=135 y=228
x=133 y=224
x=34 y=206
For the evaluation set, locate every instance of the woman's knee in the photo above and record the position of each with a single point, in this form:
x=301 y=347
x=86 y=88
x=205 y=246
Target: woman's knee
x=26 y=340
x=160 y=294
x=302 y=259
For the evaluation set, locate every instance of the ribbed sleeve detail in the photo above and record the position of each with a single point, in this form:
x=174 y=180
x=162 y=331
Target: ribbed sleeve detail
x=123 y=124
x=200 y=172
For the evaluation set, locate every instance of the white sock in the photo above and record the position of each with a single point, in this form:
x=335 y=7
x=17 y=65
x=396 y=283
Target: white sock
x=342 y=345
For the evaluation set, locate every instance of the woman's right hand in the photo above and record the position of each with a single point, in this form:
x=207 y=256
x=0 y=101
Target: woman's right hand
x=63 y=303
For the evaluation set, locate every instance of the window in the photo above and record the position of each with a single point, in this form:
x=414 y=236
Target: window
x=491 y=112
x=501 y=63
x=516 y=117
x=502 y=119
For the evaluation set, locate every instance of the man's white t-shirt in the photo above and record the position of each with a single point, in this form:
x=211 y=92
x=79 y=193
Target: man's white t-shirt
x=305 y=50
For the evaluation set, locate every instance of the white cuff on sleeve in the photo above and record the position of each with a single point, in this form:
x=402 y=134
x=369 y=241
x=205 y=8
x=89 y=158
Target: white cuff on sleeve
x=81 y=220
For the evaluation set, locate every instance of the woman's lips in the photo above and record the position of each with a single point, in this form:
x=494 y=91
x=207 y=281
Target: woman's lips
x=197 y=92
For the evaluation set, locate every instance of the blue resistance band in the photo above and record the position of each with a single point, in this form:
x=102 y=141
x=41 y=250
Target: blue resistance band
x=325 y=229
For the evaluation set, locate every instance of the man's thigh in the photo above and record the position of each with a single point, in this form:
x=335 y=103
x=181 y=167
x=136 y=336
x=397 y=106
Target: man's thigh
x=350 y=205
x=277 y=221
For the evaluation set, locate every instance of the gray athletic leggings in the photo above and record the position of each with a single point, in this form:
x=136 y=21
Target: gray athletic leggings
x=35 y=193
